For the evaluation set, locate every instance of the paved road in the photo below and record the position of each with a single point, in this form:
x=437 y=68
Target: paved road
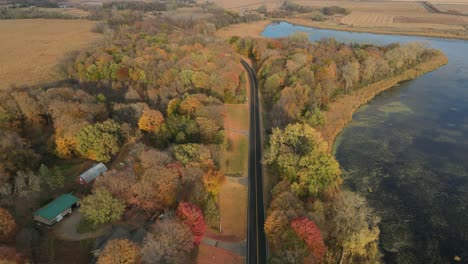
x=256 y=244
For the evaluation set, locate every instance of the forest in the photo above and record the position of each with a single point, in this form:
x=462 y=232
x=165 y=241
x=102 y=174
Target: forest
x=311 y=217
x=148 y=101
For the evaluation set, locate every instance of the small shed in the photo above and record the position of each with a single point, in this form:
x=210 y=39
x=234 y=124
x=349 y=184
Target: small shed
x=91 y=174
x=54 y=211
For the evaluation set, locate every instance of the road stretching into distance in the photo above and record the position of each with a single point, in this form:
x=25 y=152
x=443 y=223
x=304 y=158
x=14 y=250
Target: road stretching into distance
x=256 y=243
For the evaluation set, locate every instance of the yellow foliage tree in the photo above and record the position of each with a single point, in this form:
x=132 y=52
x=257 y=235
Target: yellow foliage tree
x=213 y=181
x=120 y=251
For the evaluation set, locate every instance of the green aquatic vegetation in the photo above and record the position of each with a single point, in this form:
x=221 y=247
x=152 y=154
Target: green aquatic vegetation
x=395 y=108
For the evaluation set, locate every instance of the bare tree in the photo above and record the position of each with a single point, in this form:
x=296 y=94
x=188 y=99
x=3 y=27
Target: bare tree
x=169 y=242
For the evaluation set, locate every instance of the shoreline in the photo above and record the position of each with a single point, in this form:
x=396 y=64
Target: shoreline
x=255 y=28
x=318 y=25
x=342 y=110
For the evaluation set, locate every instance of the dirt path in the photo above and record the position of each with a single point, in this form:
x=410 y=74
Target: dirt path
x=239 y=248
x=67 y=229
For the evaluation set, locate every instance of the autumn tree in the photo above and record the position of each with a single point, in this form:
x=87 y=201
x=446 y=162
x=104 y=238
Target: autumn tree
x=7 y=225
x=100 y=207
x=192 y=216
x=150 y=120
x=354 y=229
x=169 y=241
x=156 y=189
x=120 y=251
x=213 y=181
x=27 y=184
x=9 y=255
x=350 y=74
x=15 y=152
x=99 y=141
x=309 y=232
x=300 y=155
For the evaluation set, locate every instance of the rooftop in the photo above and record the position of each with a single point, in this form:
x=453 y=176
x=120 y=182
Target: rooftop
x=91 y=174
x=54 y=208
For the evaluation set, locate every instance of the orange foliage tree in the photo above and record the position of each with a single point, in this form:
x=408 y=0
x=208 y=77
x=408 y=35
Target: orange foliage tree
x=193 y=217
x=120 y=251
x=310 y=233
x=150 y=120
x=7 y=225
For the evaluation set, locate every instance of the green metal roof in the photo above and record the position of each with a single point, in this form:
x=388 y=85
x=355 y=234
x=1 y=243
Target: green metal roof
x=54 y=208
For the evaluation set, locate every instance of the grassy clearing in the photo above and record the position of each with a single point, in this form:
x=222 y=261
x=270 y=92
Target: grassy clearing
x=236 y=122
x=233 y=204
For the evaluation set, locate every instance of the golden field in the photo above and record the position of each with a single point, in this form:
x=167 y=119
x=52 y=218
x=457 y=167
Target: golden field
x=31 y=48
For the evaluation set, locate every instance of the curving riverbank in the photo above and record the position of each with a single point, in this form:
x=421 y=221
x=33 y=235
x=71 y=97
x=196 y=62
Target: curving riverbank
x=373 y=30
x=341 y=111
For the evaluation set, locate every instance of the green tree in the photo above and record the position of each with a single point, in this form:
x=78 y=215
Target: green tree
x=300 y=155
x=99 y=141
x=54 y=178
x=101 y=207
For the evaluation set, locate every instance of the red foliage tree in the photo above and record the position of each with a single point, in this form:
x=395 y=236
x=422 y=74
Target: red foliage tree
x=192 y=216
x=310 y=233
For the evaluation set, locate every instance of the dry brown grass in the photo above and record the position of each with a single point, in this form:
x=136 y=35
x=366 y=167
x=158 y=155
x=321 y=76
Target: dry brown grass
x=454 y=8
x=29 y=49
x=233 y=209
x=252 y=29
x=342 y=110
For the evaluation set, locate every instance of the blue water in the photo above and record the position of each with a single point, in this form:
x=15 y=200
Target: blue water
x=406 y=151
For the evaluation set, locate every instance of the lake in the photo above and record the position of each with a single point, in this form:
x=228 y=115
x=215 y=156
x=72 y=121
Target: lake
x=406 y=151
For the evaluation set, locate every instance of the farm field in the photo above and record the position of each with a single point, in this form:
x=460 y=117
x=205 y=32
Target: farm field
x=386 y=17
x=374 y=6
x=30 y=49
x=454 y=8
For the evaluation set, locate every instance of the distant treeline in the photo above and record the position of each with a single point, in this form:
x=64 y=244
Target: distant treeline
x=317 y=14
x=37 y=3
x=148 y=6
x=29 y=13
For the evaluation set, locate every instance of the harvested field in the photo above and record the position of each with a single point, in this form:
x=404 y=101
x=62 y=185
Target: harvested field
x=454 y=8
x=436 y=19
x=31 y=48
x=368 y=6
x=405 y=20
